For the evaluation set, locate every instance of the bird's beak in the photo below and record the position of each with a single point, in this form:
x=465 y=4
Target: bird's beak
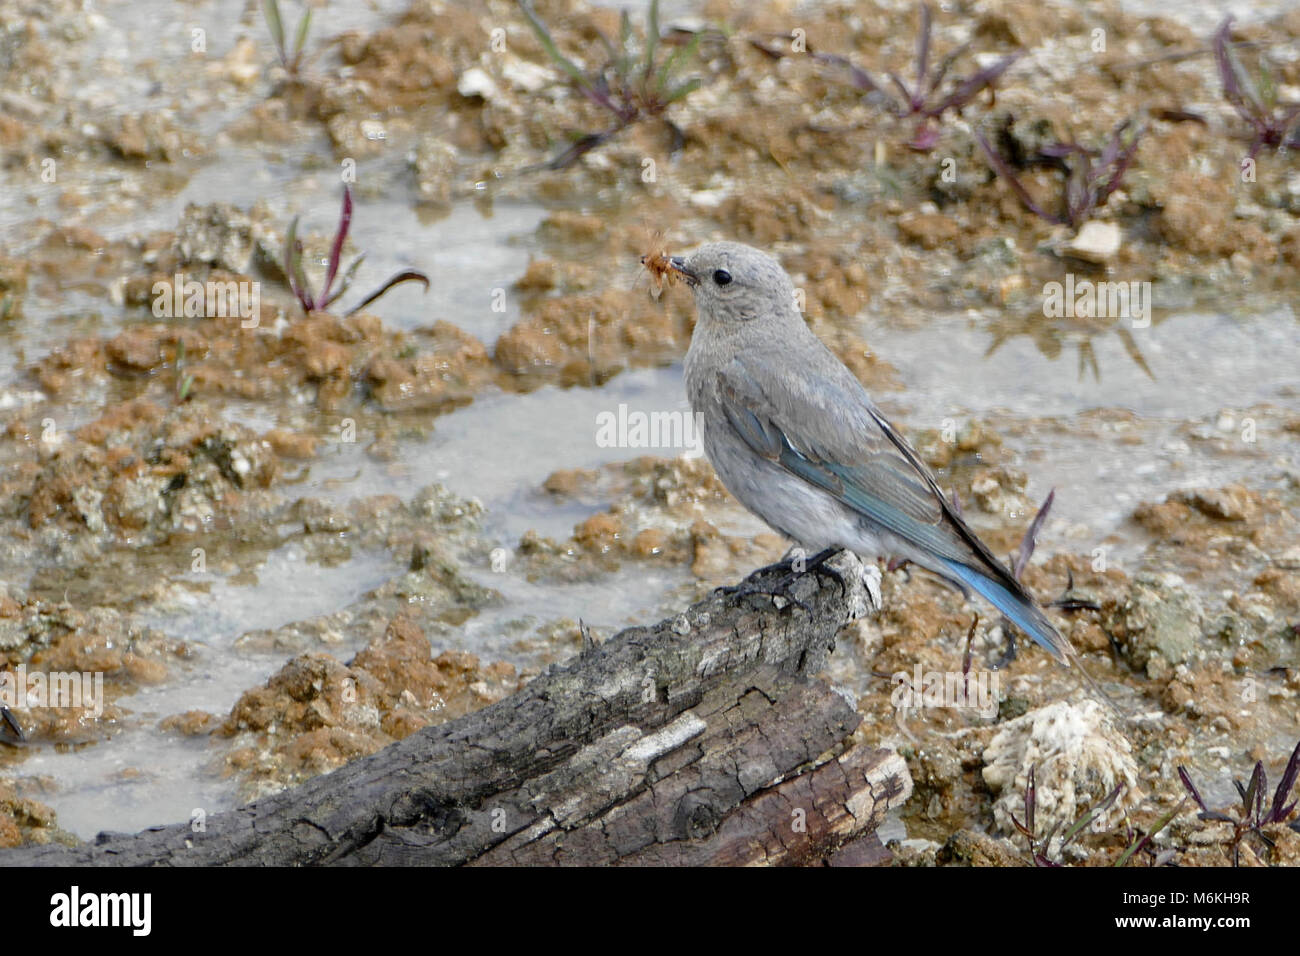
x=679 y=266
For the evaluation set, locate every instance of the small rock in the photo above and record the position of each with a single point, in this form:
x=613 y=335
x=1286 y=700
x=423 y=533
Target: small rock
x=999 y=490
x=475 y=82
x=1079 y=756
x=218 y=234
x=292 y=444
x=435 y=164
x=1159 y=619
x=373 y=130
x=928 y=230
x=525 y=76
x=1097 y=242
x=972 y=848
x=242 y=65
x=649 y=542
x=1231 y=503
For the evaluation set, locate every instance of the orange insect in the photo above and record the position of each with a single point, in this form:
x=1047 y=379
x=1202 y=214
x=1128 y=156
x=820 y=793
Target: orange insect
x=656 y=261
x=661 y=270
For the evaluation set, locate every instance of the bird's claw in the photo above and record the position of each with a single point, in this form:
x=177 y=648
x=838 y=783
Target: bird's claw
x=776 y=591
x=780 y=587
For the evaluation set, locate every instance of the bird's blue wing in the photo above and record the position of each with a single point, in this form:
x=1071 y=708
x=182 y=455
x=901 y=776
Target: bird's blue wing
x=865 y=463
x=870 y=476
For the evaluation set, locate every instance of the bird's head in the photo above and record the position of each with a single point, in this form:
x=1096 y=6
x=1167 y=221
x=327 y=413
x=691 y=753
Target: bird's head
x=735 y=283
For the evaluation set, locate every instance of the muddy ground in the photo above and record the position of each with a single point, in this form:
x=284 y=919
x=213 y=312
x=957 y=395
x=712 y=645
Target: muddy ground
x=165 y=480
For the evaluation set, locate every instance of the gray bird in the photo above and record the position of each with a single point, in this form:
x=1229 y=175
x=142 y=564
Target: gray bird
x=796 y=438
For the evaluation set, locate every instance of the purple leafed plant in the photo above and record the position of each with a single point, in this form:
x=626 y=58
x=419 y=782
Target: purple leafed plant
x=632 y=85
x=926 y=98
x=1273 y=122
x=301 y=286
x=1091 y=175
x=1038 y=849
x=1253 y=816
x=1137 y=840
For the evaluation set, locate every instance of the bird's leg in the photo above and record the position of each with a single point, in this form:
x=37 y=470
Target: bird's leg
x=786 y=563
x=1009 y=654
x=1068 y=602
x=785 y=566
x=1073 y=604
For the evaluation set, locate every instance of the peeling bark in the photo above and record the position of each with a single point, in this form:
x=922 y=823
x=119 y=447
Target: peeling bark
x=702 y=740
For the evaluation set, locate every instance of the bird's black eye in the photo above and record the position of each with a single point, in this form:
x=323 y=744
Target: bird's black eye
x=722 y=277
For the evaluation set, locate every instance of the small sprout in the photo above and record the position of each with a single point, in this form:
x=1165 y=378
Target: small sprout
x=1272 y=122
x=1140 y=843
x=1091 y=175
x=1280 y=809
x=301 y=286
x=926 y=99
x=1038 y=849
x=1253 y=817
x=184 y=380
x=1028 y=542
x=632 y=85
x=966 y=656
x=274 y=23
x=1086 y=819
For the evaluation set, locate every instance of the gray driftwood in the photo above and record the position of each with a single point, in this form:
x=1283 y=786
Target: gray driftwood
x=702 y=740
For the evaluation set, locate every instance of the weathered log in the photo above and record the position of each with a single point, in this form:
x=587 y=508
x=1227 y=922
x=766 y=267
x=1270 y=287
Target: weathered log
x=702 y=740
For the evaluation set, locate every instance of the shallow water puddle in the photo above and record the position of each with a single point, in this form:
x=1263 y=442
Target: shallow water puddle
x=1200 y=362
x=141 y=776
x=1205 y=369
x=501 y=449
x=288 y=588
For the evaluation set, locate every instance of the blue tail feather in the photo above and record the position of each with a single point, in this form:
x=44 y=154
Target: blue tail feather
x=1023 y=614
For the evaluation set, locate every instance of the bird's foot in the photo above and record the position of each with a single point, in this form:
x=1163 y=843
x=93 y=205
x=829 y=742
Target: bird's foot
x=790 y=570
x=817 y=565
x=777 y=590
